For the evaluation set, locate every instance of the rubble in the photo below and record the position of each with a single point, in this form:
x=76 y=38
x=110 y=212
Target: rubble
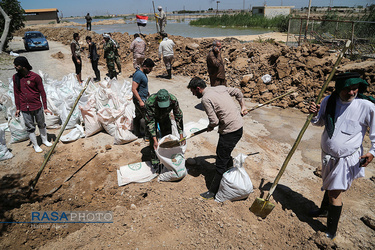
x=305 y=67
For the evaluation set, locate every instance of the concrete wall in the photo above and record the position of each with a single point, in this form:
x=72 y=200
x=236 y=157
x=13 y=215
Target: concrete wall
x=270 y=11
x=41 y=17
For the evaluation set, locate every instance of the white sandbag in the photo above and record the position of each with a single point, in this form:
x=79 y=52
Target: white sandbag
x=107 y=117
x=17 y=129
x=64 y=113
x=4 y=126
x=73 y=135
x=236 y=183
x=173 y=160
x=5 y=154
x=52 y=121
x=122 y=133
x=136 y=172
x=192 y=127
x=90 y=118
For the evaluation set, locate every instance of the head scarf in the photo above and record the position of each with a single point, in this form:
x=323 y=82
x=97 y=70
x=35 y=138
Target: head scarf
x=23 y=62
x=344 y=80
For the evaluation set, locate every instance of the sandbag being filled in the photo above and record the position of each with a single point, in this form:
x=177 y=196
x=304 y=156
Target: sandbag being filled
x=173 y=160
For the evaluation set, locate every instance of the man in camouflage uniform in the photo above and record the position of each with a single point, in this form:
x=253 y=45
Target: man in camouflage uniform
x=158 y=108
x=117 y=55
x=109 y=55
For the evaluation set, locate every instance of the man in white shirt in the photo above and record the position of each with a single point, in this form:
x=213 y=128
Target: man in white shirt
x=346 y=115
x=162 y=19
x=166 y=50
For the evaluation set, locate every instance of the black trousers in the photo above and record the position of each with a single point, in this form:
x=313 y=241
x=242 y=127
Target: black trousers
x=94 y=65
x=225 y=146
x=77 y=65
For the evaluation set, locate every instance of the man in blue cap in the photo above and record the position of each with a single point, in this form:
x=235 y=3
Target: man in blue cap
x=158 y=109
x=346 y=114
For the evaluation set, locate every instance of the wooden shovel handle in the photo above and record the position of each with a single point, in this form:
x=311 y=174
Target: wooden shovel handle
x=48 y=155
x=193 y=134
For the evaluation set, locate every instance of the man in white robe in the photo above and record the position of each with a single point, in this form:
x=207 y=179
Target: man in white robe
x=346 y=115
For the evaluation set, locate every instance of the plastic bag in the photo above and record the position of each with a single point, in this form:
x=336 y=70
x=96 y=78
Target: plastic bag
x=236 y=183
x=73 y=135
x=266 y=78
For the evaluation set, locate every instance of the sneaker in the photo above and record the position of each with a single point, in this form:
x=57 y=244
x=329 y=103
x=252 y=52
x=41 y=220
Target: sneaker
x=207 y=195
x=146 y=139
x=119 y=73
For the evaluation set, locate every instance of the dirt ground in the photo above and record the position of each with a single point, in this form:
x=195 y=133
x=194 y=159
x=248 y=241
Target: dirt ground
x=171 y=215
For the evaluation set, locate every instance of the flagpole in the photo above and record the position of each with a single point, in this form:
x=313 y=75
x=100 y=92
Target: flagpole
x=156 y=20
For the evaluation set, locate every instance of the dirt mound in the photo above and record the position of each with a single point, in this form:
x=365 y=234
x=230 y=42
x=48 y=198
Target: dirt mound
x=58 y=55
x=303 y=68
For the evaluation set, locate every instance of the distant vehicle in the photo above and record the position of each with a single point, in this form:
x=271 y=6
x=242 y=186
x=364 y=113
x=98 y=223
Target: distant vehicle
x=35 y=40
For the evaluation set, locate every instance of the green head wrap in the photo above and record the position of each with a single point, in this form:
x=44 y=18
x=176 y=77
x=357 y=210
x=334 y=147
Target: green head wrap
x=344 y=80
x=348 y=79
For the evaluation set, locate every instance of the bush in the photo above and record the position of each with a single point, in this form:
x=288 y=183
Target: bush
x=15 y=12
x=244 y=20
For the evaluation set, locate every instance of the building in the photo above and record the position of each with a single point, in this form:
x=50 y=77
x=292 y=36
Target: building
x=41 y=16
x=271 y=11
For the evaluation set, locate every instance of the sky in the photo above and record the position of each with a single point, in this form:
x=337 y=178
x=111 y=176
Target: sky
x=69 y=8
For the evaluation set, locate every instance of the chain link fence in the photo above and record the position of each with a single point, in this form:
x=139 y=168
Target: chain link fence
x=333 y=34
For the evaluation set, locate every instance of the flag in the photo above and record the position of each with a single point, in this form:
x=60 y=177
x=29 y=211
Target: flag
x=141 y=20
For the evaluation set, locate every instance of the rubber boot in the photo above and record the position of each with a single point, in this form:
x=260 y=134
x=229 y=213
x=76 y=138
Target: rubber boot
x=33 y=140
x=323 y=210
x=43 y=135
x=169 y=76
x=334 y=213
x=215 y=184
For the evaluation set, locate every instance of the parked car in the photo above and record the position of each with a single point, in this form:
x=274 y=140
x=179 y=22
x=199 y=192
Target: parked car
x=35 y=40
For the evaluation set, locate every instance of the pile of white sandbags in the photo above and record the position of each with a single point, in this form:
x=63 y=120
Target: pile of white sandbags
x=107 y=106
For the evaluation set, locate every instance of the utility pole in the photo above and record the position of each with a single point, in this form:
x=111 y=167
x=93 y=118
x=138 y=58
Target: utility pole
x=307 y=20
x=217 y=7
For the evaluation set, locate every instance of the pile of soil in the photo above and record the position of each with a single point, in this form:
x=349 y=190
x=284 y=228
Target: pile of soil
x=304 y=68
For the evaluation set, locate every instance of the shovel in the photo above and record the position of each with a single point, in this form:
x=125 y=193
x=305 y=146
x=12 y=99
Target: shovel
x=263 y=207
x=176 y=143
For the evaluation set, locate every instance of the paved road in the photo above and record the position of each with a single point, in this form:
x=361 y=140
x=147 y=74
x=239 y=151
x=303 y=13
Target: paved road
x=40 y=60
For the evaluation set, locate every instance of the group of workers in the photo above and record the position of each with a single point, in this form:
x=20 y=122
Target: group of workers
x=347 y=115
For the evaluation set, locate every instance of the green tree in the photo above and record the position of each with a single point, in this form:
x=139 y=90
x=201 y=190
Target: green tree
x=15 y=12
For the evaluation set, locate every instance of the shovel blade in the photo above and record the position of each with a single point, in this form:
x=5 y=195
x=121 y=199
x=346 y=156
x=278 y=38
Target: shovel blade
x=170 y=144
x=261 y=207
